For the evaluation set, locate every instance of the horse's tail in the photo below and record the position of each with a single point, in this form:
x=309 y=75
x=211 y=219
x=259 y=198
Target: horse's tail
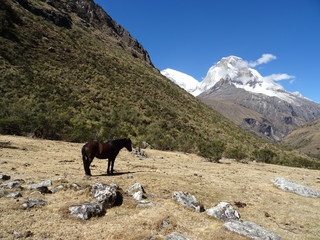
x=85 y=160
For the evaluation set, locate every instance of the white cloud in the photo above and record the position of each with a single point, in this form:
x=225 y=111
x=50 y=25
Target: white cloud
x=265 y=58
x=279 y=77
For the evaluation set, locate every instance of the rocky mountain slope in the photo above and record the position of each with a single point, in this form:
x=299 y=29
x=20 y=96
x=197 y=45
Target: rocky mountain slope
x=70 y=72
x=306 y=139
x=255 y=103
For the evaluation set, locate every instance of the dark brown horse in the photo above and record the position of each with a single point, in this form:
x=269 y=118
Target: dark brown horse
x=108 y=150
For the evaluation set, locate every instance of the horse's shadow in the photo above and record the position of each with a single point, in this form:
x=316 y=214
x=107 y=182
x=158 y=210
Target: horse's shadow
x=114 y=174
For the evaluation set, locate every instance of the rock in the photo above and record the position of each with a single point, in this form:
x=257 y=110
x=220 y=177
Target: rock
x=138 y=195
x=11 y=184
x=58 y=18
x=224 y=211
x=56 y=189
x=106 y=195
x=176 y=236
x=144 y=203
x=14 y=195
x=290 y=186
x=188 y=200
x=146 y=145
x=75 y=186
x=46 y=183
x=86 y=211
x=3 y=162
x=44 y=190
x=4 y=177
x=137 y=191
x=1 y=193
x=250 y=230
x=22 y=235
x=139 y=153
x=33 y=202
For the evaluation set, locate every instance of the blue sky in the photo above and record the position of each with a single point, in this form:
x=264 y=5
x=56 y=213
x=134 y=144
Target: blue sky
x=192 y=35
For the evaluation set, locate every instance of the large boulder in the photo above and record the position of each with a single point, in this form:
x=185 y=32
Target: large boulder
x=290 y=186
x=188 y=200
x=106 y=195
x=224 y=211
x=251 y=230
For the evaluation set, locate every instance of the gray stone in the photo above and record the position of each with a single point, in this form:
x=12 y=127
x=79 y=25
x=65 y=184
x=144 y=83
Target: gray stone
x=11 y=184
x=56 y=189
x=139 y=153
x=46 y=183
x=176 y=236
x=75 y=186
x=188 y=200
x=33 y=202
x=137 y=191
x=290 y=186
x=1 y=193
x=14 y=195
x=224 y=211
x=22 y=235
x=86 y=211
x=144 y=203
x=251 y=230
x=106 y=195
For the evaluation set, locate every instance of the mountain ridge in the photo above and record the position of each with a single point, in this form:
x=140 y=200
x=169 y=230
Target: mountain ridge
x=79 y=83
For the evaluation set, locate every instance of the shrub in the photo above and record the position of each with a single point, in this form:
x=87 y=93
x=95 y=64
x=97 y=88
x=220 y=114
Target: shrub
x=11 y=126
x=212 y=150
x=264 y=155
x=237 y=154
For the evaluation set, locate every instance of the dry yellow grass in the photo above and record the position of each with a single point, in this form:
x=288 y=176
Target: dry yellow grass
x=33 y=160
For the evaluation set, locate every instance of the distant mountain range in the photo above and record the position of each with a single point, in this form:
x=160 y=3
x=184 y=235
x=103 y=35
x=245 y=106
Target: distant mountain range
x=255 y=103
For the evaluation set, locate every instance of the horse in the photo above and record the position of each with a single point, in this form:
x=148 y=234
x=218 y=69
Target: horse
x=99 y=150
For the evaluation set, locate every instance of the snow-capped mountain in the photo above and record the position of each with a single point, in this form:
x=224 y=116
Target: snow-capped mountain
x=185 y=81
x=254 y=102
x=238 y=73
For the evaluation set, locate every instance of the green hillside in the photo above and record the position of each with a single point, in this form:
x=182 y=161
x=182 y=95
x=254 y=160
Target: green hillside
x=66 y=76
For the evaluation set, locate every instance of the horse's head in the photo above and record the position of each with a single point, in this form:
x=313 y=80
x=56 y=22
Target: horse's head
x=128 y=144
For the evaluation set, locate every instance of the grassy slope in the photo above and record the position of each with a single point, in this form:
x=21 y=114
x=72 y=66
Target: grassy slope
x=306 y=139
x=79 y=84
x=291 y=216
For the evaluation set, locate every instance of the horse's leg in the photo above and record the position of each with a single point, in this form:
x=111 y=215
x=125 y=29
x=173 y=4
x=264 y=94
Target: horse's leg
x=112 y=164
x=109 y=163
x=86 y=162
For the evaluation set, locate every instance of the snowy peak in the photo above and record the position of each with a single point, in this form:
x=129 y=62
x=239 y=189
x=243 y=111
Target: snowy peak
x=234 y=71
x=238 y=73
x=185 y=81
